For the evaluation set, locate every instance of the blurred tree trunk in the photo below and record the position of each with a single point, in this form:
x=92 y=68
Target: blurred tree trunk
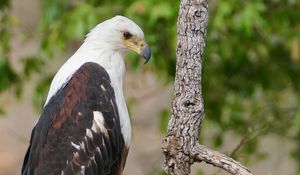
x=181 y=146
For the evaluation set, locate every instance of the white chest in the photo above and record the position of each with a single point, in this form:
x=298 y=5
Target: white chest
x=117 y=83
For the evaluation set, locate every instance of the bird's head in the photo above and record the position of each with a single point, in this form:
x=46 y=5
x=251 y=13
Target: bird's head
x=120 y=34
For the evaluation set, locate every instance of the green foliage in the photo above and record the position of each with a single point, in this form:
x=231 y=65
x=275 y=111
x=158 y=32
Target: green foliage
x=251 y=66
x=4 y=4
x=296 y=121
x=31 y=65
x=158 y=23
x=2 y=112
x=251 y=79
x=8 y=76
x=162 y=173
x=251 y=72
x=164 y=117
x=41 y=90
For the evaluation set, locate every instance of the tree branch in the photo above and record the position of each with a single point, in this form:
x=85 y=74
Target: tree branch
x=181 y=147
x=219 y=160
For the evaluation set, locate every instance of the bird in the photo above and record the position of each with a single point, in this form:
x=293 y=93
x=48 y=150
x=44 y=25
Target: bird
x=84 y=127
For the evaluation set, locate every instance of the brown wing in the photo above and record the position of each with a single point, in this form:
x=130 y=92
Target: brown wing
x=79 y=130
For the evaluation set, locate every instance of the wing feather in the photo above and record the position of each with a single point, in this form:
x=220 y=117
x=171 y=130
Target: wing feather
x=79 y=130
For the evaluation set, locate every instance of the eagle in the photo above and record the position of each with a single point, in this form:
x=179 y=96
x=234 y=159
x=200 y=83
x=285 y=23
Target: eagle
x=84 y=128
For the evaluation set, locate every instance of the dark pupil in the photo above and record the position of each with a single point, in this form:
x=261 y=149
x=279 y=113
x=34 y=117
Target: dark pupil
x=127 y=35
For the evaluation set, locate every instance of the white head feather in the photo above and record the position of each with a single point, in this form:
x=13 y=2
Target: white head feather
x=109 y=34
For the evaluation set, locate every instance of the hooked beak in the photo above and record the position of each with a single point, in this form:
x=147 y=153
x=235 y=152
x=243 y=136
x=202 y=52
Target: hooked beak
x=140 y=47
x=146 y=53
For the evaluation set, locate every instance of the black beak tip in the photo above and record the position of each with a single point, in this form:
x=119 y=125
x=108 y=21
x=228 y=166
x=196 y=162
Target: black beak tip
x=146 y=52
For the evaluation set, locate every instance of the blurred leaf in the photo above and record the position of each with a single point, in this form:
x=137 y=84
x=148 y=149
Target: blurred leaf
x=41 y=90
x=31 y=65
x=295 y=49
x=250 y=18
x=225 y=8
x=2 y=112
x=8 y=76
x=4 y=4
x=130 y=105
x=164 y=117
x=163 y=173
x=218 y=140
x=161 y=10
x=297 y=119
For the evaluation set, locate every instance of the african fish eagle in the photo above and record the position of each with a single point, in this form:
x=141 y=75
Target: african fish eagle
x=84 y=128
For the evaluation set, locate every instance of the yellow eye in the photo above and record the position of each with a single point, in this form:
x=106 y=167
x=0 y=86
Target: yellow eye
x=127 y=35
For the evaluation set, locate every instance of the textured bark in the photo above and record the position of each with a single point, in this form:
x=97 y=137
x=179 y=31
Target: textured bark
x=181 y=147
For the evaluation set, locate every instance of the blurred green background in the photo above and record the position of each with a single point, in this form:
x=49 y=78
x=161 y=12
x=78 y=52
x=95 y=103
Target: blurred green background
x=251 y=67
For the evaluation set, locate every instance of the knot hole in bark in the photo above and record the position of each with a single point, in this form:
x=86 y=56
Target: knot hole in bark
x=198 y=13
x=192 y=105
x=188 y=103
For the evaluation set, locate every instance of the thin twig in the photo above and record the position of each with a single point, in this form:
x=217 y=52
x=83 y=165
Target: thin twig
x=242 y=142
x=247 y=139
